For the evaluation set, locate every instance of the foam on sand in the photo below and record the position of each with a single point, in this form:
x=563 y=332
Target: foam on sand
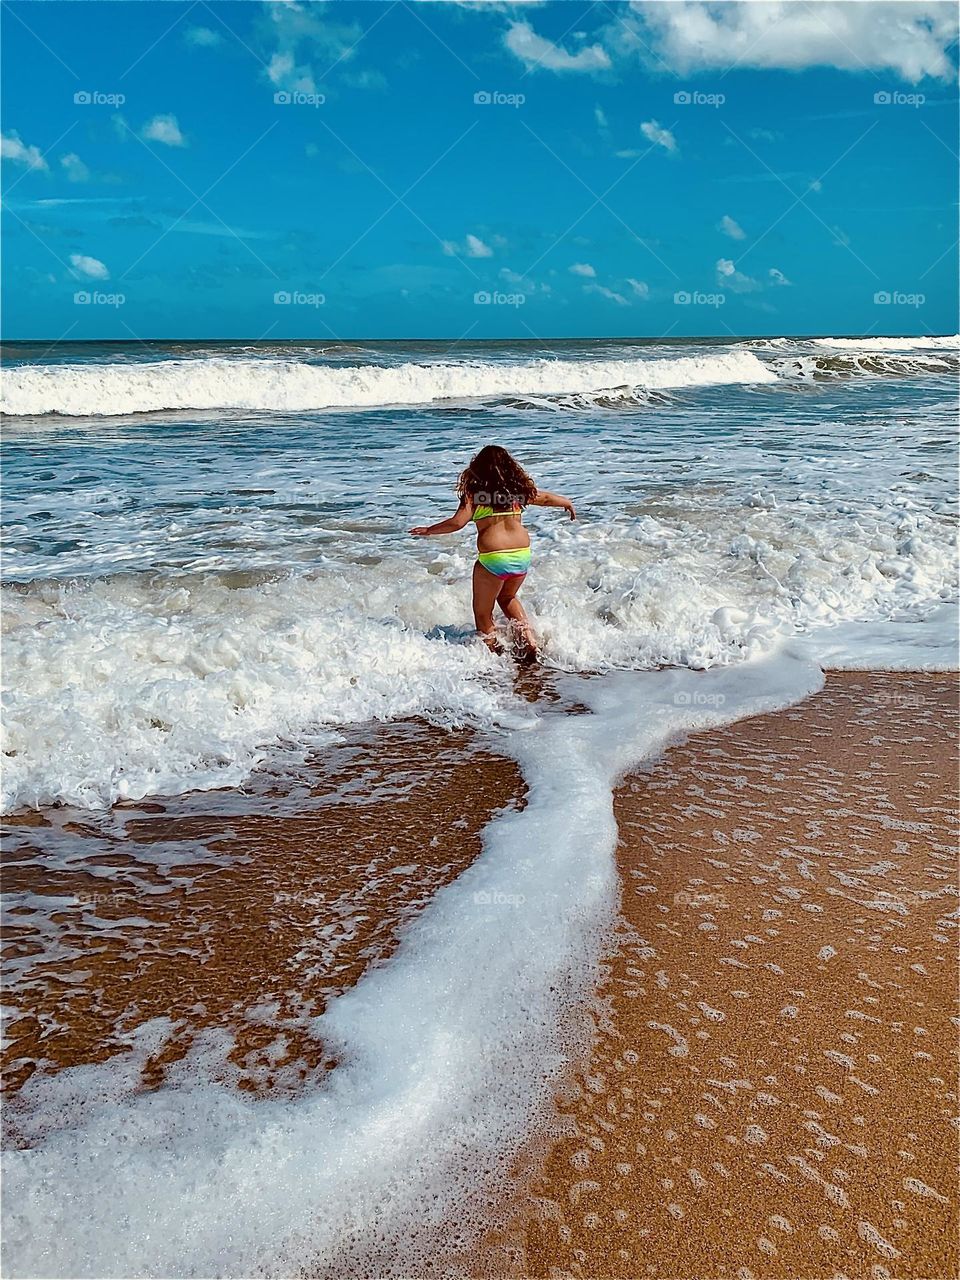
x=446 y=1055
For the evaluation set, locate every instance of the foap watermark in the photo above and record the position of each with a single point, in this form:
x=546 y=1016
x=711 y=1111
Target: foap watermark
x=494 y=98
x=498 y=499
x=897 y=298
x=94 y=298
x=694 y=98
x=297 y=298
x=494 y=898
x=683 y=298
x=297 y=98
x=686 y=898
x=94 y=98
x=698 y=698
x=899 y=698
x=102 y=898
x=894 y=98
x=484 y=298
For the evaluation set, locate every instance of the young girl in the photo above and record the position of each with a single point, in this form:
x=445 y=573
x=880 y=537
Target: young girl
x=493 y=492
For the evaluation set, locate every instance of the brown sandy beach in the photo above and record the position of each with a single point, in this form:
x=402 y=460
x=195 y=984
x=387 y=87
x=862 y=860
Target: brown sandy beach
x=222 y=911
x=772 y=1091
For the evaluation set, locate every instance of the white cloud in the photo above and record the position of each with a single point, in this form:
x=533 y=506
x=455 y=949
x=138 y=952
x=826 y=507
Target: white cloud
x=640 y=288
x=283 y=72
x=88 y=268
x=164 y=129
x=909 y=37
x=730 y=227
x=601 y=117
x=731 y=278
x=604 y=292
x=202 y=37
x=652 y=131
x=476 y=248
x=524 y=282
x=537 y=51
x=296 y=33
x=777 y=276
x=12 y=148
x=582 y=269
x=74 y=168
x=472 y=247
x=369 y=78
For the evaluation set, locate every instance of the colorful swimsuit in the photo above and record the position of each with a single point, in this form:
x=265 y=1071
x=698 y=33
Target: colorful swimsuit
x=503 y=564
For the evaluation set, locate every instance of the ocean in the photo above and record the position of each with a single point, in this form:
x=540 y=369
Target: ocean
x=208 y=582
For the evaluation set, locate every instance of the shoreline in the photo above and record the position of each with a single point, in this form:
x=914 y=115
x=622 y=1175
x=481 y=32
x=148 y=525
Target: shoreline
x=771 y=1090
x=576 y=1180
x=225 y=912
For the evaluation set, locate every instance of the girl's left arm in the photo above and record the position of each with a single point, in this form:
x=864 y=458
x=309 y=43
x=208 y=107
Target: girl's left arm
x=457 y=521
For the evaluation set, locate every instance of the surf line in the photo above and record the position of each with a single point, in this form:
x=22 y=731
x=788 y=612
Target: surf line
x=448 y=1055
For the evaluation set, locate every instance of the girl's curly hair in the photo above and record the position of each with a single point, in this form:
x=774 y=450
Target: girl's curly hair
x=495 y=478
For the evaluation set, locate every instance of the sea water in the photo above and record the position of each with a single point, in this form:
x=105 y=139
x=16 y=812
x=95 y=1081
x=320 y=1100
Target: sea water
x=206 y=559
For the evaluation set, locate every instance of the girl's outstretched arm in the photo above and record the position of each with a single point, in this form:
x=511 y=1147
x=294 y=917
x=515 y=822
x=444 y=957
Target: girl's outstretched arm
x=546 y=499
x=455 y=522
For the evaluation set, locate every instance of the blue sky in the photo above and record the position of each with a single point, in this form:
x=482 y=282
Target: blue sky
x=478 y=170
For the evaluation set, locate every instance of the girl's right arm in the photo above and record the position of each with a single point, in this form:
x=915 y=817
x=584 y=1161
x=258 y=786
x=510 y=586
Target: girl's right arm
x=546 y=499
x=457 y=521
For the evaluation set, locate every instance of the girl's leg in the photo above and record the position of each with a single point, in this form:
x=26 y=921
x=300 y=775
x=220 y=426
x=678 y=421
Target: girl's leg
x=486 y=587
x=514 y=610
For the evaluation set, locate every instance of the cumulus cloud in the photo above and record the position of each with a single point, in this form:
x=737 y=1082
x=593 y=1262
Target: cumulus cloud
x=536 y=51
x=730 y=227
x=609 y=294
x=909 y=37
x=13 y=148
x=640 y=288
x=283 y=72
x=731 y=278
x=164 y=129
x=74 y=168
x=472 y=247
x=202 y=37
x=739 y=282
x=652 y=131
x=295 y=34
x=582 y=269
x=525 y=283
x=88 y=268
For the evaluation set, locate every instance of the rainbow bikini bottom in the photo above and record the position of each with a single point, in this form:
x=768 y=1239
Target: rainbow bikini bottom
x=506 y=564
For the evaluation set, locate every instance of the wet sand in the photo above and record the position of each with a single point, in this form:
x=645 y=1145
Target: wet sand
x=773 y=1087
x=234 y=913
x=773 y=1091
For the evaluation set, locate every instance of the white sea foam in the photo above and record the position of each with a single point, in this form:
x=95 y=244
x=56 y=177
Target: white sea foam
x=446 y=1054
x=138 y=684
x=288 y=386
x=930 y=343
x=757 y=531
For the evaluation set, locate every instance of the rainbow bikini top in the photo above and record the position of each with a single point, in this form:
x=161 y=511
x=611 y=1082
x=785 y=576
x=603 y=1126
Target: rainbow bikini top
x=481 y=513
